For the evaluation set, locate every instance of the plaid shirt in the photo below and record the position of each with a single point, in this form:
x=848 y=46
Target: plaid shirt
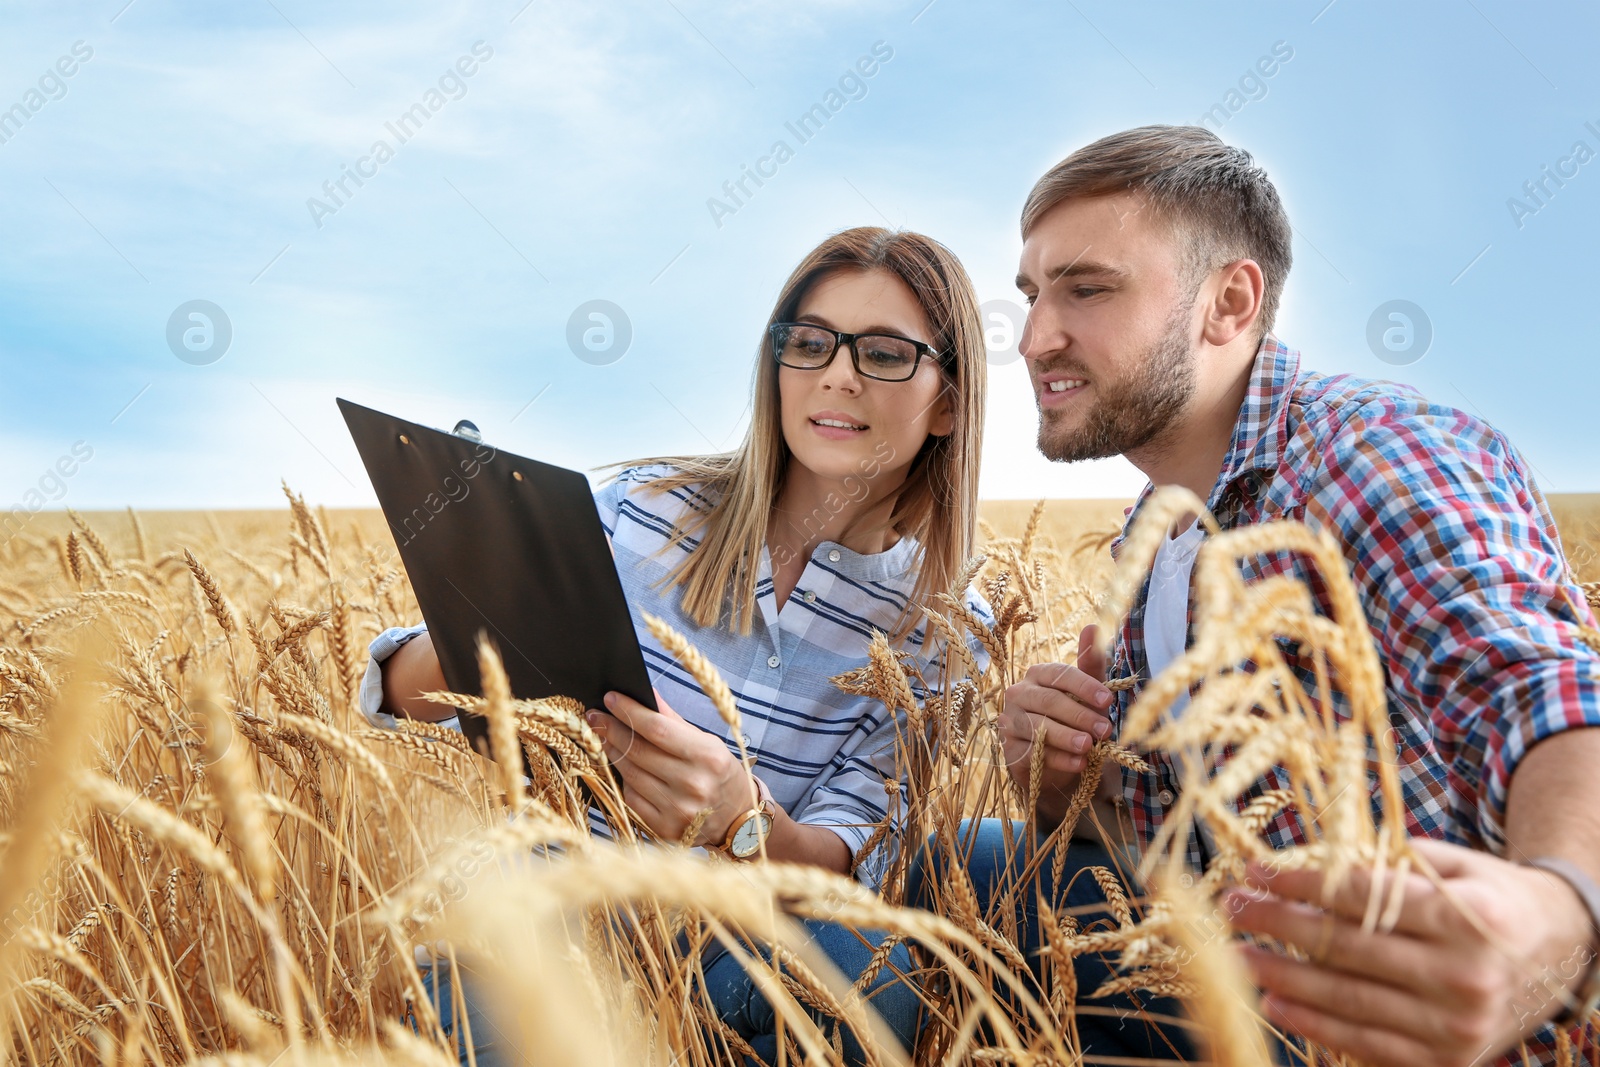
x=1457 y=563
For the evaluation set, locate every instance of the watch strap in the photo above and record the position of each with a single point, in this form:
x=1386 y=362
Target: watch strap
x=1588 y=992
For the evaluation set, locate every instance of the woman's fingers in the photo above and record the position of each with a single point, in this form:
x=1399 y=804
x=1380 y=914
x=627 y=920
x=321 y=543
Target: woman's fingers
x=623 y=744
x=660 y=764
x=662 y=807
x=664 y=729
x=677 y=782
x=616 y=739
x=648 y=811
x=627 y=710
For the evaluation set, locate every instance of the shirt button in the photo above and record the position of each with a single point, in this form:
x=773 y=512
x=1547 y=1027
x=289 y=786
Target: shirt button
x=833 y=555
x=1186 y=880
x=810 y=597
x=773 y=661
x=1165 y=796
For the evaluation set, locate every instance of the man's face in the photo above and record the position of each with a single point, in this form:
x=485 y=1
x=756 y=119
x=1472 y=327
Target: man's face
x=1110 y=337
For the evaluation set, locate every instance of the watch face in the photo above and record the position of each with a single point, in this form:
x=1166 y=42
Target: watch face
x=747 y=842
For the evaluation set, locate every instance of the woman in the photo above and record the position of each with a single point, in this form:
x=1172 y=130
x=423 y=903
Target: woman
x=852 y=499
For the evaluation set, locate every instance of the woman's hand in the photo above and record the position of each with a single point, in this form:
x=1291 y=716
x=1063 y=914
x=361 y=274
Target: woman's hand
x=672 y=770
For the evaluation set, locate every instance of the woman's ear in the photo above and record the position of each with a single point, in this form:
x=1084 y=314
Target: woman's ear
x=942 y=416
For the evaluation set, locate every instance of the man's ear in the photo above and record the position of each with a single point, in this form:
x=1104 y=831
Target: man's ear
x=1236 y=294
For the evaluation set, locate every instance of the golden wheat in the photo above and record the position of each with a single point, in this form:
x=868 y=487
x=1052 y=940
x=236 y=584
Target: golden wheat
x=209 y=857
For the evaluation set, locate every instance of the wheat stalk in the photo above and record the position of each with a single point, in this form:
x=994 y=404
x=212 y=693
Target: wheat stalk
x=197 y=911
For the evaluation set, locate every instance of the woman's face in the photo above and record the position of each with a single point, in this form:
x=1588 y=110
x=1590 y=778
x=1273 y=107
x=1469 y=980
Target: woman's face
x=884 y=423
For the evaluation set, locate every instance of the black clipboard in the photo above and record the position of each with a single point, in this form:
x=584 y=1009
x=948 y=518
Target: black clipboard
x=508 y=546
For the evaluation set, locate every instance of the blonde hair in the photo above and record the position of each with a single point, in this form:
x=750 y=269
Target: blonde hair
x=937 y=503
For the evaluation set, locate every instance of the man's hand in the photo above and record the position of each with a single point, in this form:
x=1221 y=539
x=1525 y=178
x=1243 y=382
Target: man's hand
x=1434 y=990
x=672 y=770
x=1069 y=704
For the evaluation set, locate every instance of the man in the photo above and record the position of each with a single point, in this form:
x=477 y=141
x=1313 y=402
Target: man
x=1153 y=262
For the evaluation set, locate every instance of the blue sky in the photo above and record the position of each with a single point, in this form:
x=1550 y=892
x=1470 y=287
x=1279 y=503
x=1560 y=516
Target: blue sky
x=576 y=163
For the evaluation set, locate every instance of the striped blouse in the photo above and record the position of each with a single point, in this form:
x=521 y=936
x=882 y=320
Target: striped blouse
x=827 y=756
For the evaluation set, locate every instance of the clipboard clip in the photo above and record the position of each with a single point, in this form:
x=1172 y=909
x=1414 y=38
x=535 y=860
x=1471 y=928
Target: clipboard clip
x=468 y=430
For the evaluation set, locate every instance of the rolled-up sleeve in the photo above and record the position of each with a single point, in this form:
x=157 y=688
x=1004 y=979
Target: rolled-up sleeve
x=1467 y=593
x=854 y=798
x=370 y=697
x=608 y=498
x=382 y=647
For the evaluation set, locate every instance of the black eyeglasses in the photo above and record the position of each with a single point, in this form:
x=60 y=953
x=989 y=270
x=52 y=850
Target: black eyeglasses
x=885 y=356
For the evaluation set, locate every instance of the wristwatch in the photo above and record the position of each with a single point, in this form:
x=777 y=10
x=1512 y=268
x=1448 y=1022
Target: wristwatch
x=749 y=830
x=1587 y=994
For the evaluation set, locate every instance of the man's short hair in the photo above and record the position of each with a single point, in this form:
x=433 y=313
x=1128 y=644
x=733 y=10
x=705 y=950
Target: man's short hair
x=1214 y=195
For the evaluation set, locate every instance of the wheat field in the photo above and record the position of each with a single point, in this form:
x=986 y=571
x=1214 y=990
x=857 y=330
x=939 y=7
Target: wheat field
x=209 y=857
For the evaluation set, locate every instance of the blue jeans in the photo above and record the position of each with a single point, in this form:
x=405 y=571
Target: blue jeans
x=742 y=1006
x=733 y=995
x=488 y=1042
x=1107 y=1026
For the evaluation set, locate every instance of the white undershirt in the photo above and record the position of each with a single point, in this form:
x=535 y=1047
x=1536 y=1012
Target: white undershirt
x=1166 y=627
x=1166 y=613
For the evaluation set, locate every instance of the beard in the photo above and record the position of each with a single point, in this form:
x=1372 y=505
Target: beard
x=1132 y=411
